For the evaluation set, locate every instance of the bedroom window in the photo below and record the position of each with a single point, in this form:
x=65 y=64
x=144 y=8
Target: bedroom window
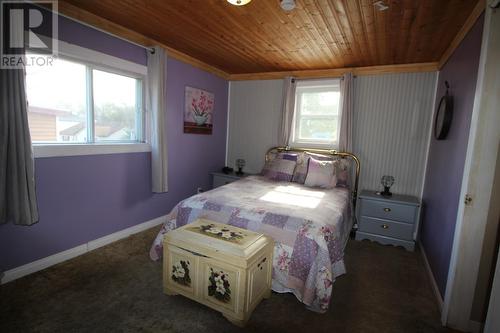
x=73 y=102
x=317 y=113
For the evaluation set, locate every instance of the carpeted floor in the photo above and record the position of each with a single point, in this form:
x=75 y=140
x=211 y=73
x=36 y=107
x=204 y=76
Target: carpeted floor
x=118 y=289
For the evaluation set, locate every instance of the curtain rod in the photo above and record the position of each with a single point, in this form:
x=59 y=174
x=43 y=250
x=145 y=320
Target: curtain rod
x=321 y=78
x=147 y=48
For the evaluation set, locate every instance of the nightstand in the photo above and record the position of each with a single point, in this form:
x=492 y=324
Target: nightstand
x=220 y=178
x=388 y=220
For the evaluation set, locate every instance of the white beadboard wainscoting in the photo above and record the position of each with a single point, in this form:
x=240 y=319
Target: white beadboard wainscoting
x=393 y=115
x=254 y=120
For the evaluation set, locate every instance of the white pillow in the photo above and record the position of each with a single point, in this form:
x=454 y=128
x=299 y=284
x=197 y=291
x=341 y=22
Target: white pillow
x=321 y=174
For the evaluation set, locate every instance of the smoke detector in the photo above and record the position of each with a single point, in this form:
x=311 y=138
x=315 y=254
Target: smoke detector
x=238 y=2
x=287 y=5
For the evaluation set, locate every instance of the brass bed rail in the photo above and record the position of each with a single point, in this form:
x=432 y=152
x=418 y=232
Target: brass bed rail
x=325 y=152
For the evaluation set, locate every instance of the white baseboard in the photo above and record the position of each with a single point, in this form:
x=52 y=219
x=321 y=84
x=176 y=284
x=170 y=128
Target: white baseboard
x=431 y=277
x=43 y=263
x=97 y=243
x=57 y=258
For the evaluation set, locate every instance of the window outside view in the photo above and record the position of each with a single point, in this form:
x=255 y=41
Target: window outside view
x=317 y=113
x=58 y=111
x=57 y=101
x=318 y=116
x=114 y=107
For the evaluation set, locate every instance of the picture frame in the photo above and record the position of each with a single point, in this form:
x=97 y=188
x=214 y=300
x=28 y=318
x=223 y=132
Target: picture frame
x=198 y=111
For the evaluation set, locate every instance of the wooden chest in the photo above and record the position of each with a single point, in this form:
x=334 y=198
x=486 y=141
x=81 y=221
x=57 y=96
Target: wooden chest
x=224 y=267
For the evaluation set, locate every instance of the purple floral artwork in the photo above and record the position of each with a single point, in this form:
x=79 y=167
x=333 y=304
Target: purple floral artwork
x=198 y=111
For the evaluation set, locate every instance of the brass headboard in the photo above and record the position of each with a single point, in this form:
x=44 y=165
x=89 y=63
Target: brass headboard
x=326 y=152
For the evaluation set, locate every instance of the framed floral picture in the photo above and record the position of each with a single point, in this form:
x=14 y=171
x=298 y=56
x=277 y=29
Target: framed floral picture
x=198 y=111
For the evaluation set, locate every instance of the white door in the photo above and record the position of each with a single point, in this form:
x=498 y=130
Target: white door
x=492 y=324
x=477 y=180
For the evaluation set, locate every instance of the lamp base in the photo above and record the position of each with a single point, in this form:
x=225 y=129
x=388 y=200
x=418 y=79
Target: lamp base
x=386 y=192
x=240 y=172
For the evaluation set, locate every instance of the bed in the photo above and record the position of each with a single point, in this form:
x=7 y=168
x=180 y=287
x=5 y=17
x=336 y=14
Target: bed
x=310 y=226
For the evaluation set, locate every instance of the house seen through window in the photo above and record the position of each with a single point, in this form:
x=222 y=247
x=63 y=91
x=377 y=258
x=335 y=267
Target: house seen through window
x=71 y=102
x=317 y=113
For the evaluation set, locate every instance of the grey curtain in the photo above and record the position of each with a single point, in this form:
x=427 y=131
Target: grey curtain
x=287 y=110
x=17 y=182
x=156 y=105
x=346 y=122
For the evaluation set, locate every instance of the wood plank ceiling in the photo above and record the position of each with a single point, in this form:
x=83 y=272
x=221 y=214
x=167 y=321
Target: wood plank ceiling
x=316 y=35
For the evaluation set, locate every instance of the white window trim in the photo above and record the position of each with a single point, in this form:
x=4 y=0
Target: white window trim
x=310 y=144
x=60 y=150
x=296 y=142
x=105 y=62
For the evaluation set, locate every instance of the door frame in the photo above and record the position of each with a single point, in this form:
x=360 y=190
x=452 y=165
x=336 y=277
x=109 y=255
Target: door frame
x=477 y=181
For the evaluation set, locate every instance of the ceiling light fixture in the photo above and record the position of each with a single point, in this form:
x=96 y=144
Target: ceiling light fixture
x=287 y=5
x=238 y=2
x=381 y=6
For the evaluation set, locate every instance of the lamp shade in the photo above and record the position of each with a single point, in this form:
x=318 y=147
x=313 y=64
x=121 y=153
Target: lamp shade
x=387 y=181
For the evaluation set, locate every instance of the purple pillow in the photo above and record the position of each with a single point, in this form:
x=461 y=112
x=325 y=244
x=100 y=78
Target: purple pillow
x=288 y=156
x=300 y=173
x=343 y=167
x=279 y=169
x=283 y=156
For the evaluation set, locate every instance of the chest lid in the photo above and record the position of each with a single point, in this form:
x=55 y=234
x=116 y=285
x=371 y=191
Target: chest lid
x=220 y=237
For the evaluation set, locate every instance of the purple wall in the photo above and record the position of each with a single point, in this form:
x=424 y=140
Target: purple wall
x=447 y=157
x=82 y=198
x=84 y=36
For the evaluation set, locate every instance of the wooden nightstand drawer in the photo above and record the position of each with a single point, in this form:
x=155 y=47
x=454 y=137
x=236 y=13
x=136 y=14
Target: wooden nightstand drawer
x=386 y=228
x=388 y=210
x=388 y=220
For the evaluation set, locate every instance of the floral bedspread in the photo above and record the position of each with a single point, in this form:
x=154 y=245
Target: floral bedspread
x=310 y=227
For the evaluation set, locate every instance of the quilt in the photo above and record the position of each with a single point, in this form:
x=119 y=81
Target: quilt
x=310 y=227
